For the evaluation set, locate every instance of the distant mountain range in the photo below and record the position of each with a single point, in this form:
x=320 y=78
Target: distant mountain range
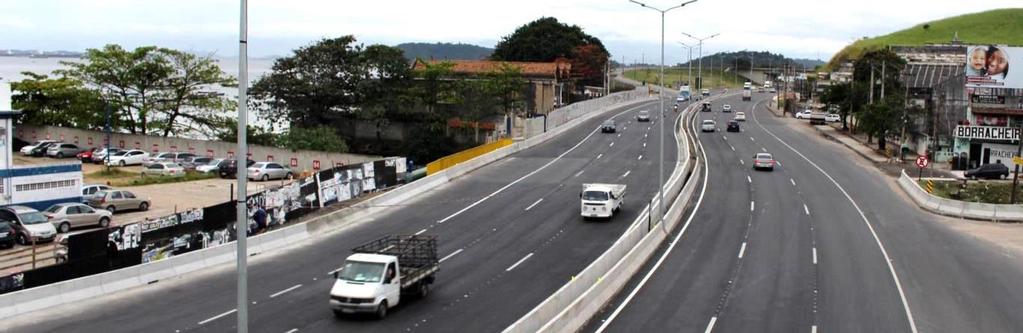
x=444 y=51
x=760 y=59
x=40 y=54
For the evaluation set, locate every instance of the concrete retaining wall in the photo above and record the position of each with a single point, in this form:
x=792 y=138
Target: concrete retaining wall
x=220 y=149
x=957 y=208
x=39 y=298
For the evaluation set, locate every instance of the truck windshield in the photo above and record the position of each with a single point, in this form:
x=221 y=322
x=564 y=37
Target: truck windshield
x=357 y=271
x=595 y=195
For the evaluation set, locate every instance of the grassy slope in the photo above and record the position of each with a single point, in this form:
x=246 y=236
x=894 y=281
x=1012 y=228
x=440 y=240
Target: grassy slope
x=999 y=26
x=712 y=77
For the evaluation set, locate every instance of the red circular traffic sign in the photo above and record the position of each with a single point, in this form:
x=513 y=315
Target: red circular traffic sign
x=922 y=161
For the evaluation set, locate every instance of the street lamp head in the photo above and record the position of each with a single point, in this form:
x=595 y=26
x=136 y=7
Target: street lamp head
x=687 y=2
x=638 y=3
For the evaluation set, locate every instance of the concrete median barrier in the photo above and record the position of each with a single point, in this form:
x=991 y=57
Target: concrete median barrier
x=957 y=208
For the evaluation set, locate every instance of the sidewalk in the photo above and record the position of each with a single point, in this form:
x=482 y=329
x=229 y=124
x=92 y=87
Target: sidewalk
x=851 y=143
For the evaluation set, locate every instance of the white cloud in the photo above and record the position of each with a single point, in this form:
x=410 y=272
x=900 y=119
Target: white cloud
x=802 y=28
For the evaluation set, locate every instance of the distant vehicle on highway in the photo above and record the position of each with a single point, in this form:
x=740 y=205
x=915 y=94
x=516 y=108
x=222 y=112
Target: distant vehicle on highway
x=163 y=169
x=988 y=171
x=128 y=157
x=65 y=216
x=63 y=150
x=740 y=116
x=601 y=200
x=763 y=161
x=726 y=108
x=708 y=125
x=118 y=200
x=89 y=190
x=27 y=150
x=29 y=224
x=643 y=116
x=268 y=170
x=608 y=126
x=705 y=92
x=832 y=118
x=383 y=273
x=733 y=126
x=706 y=107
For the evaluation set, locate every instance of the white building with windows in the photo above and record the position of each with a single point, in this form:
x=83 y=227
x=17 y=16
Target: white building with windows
x=36 y=186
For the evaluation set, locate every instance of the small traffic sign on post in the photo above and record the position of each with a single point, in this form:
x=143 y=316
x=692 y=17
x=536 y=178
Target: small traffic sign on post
x=1017 y=160
x=921 y=163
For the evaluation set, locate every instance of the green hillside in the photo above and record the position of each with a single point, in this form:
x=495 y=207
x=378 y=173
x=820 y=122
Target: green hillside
x=999 y=26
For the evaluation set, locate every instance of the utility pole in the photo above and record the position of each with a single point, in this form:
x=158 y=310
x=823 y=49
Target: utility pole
x=872 y=83
x=699 y=75
x=1019 y=154
x=660 y=97
x=242 y=223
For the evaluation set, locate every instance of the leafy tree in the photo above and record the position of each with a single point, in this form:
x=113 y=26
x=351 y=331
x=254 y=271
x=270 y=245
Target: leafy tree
x=321 y=138
x=588 y=63
x=254 y=134
x=185 y=96
x=57 y=102
x=544 y=40
x=506 y=85
x=434 y=87
x=878 y=120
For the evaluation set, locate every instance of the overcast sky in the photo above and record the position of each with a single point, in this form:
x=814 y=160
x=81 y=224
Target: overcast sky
x=797 y=28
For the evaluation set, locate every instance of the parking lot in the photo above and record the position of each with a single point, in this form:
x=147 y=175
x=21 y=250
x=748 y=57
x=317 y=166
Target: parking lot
x=164 y=199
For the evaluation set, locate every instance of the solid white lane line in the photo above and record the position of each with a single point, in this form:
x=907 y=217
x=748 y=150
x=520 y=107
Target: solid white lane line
x=749 y=180
x=579 y=173
x=451 y=255
x=599 y=156
x=793 y=181
x=815 y=256
x=217 y=316
x=626 y=174
x=293 y=330
x=752 y=205
x=730 y=146
x=611 y=145
x=742 y=250
x=671 y=246
x=481 y=200
x=863 y=216
x=333 y=271
x=286 y=290
x=420 y=232
x=534 y=204
x=806 y=209
x=710 y=326
x=519 y=262
x=742 y=162
x=640 y=157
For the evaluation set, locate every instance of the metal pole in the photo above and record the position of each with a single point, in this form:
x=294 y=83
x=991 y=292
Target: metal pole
x=699 y=71
x=242 y=223
x=1019 y=153
x=690 y=76
x=107 y=156
x=660 y=155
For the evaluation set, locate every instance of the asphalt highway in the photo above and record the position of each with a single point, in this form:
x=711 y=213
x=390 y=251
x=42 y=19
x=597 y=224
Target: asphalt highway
x=822 y=243
x=509 y=234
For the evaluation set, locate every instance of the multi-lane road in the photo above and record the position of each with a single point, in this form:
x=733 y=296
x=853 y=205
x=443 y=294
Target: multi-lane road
x=509 y=233
x=822 y=243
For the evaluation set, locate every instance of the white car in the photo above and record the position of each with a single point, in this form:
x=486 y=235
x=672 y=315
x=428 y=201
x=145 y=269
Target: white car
x=164 y=169
x=28 y=149
x=740 y=116
x=832 y=118
x=805 y=114
x=128 y=157
x=708 y=126
x=726 y=108
x=212 y=166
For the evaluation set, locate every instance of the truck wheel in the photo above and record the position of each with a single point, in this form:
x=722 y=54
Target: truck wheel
x=382 y=310
x=424 y=289
x=338 y=314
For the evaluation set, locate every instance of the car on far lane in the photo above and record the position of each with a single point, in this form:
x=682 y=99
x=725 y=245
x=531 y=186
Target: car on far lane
x=65 y=216
x=740 y=116
x=832 y=118
x=708 y=126
x=805 y=114
x=988 y=171
x=608 y=126
x=643 y=116
x=763 y=161
x=705 y=92
x=726 y=108
x=733 y=126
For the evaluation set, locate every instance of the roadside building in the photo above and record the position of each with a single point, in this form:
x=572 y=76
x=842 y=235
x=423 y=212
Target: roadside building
x=549 y=86
x=36 y=186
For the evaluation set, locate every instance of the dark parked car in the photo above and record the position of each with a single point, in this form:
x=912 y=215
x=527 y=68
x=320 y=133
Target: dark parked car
x=733 y=126
x=7 y=234
x=228 y=169
x=988 y=171
x=40 y=150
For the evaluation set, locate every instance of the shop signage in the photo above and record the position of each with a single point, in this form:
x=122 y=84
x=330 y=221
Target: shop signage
x=987 y=133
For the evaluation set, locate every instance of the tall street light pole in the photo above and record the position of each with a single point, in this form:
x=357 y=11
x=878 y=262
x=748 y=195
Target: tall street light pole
x=242 y=223
x=689 y=77
x=699 y=76
x=660 y=97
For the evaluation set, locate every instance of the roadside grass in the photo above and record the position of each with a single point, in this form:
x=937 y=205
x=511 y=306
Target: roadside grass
x=999 y=26
x=118 y=177
x=712 y=77
x=975 y=191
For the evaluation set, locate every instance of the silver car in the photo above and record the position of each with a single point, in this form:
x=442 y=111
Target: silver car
x=118 y=200
x=65 y=216
x=163 y=169
x=63 y=150
x=100 y=155
x=268 y=170
x=89 y=190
